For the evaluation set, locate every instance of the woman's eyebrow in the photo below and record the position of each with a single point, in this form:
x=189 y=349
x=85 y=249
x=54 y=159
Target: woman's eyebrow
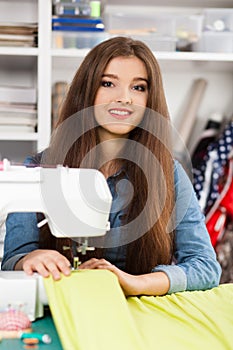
x=140 y=78
x=114 y=76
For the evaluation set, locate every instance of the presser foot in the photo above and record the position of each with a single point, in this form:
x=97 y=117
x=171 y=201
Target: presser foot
x=82 y=248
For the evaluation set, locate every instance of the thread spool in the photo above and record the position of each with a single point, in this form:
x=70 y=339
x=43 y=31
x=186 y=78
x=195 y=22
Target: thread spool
x=95 y=8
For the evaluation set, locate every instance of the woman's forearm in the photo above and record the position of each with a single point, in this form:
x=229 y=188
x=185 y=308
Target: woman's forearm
x=155 y=283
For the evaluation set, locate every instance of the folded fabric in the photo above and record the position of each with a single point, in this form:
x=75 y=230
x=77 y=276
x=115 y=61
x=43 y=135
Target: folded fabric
x=91 y=312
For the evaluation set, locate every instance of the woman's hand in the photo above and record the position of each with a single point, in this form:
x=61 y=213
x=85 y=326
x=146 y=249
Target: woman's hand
x=45 y=262
x=155 y=283
x=129 y=283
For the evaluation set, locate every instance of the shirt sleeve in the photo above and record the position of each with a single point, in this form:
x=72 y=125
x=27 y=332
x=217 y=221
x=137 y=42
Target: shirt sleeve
x=22 y=237
x=195 y=265
x=22 y=233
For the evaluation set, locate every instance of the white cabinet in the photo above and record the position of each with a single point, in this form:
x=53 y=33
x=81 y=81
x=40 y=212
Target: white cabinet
x=18 y=66
x=43 y=66
x=28 y=67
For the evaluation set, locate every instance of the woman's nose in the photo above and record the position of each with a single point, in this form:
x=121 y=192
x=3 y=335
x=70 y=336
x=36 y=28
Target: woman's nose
x=124 y=97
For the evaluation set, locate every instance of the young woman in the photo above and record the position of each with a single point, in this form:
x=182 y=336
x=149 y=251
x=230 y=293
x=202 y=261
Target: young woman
x=115 y=119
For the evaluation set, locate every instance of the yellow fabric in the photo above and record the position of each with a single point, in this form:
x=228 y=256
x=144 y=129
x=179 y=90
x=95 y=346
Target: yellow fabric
x=91 y=312
x=186 y=321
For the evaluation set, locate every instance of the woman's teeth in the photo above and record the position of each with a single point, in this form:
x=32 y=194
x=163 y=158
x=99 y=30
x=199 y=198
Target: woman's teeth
x=114 y=111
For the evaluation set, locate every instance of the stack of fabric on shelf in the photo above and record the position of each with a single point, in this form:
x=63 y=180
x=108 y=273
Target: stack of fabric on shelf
x=18 y=109
x=18 y=34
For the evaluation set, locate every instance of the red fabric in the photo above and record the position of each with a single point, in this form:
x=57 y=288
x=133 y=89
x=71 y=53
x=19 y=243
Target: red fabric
x=14 y=320
x=216 y=225
x=216 y=219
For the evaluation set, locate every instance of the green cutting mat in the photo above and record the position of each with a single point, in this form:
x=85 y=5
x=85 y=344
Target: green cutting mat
x=43 y=325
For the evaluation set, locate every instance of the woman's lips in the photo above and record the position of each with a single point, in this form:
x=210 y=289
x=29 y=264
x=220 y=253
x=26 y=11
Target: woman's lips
x=120 y=113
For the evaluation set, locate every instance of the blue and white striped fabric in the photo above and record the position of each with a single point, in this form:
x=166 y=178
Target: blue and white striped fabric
x=211 y=168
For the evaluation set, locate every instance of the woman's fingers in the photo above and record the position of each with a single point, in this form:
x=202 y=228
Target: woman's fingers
x=89 y=264
x=98 y=264
x=46 y=262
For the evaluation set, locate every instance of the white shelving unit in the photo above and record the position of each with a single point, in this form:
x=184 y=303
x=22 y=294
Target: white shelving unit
x=18 y=66
x=43 y=66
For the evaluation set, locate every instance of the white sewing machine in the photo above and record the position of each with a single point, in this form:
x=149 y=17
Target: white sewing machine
x=76 y=204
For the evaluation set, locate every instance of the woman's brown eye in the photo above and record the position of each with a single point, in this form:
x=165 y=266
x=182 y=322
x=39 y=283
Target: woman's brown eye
x=140 y=88
x=106 y=83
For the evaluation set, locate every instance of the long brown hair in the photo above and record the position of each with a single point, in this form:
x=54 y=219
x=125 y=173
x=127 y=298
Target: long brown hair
x=155 y=246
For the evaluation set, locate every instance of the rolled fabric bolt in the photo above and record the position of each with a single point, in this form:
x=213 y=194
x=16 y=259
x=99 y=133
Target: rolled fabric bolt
x=190 y=113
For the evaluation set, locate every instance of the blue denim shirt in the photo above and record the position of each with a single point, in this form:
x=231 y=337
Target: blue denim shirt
x=195 y=266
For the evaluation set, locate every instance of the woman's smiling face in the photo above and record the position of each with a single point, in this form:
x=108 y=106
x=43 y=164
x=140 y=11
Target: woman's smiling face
x=121 y=98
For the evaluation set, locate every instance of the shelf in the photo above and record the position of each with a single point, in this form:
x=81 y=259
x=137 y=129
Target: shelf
x=203 y=61
x=183 y=56
x=196 y=56
x=69 y=52
x=18 y=137
x=180 y=60
x=19 y=51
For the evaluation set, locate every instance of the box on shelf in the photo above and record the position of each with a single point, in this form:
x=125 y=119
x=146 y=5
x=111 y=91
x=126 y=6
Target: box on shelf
x=123 y=23
x=218 y=19
x=78 y=40
x=87 y=40
x=72 y=8
x=188 y=30
x=180 y=29
x=215 y=42
x=78 y=8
